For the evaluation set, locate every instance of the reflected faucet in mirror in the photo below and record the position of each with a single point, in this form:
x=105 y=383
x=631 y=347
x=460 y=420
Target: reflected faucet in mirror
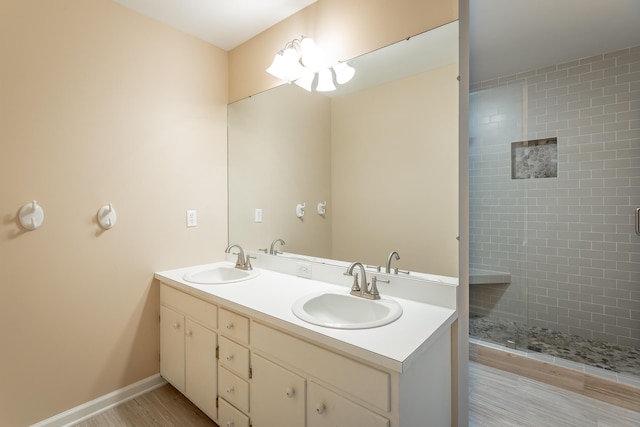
x=272 y=249
x=242 y=262
x=391 y=255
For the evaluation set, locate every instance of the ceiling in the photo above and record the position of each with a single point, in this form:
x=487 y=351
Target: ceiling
x=506 y=36
x=512 y=36
x=223 y=23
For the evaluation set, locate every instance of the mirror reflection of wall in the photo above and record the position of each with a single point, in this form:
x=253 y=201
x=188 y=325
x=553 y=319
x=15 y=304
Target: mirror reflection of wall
x=385 y=159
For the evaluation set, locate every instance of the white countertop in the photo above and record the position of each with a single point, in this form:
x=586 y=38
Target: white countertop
x=269 y=297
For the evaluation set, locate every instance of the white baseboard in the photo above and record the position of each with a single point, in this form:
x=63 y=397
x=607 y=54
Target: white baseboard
x=102 y=403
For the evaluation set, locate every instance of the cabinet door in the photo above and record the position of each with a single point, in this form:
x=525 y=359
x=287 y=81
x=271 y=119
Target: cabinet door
x=172 y=347
x=277 y=395
x=327 y=409
x=201 y=368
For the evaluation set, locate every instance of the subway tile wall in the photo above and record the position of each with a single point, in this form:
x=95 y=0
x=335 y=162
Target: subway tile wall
x=568 y=242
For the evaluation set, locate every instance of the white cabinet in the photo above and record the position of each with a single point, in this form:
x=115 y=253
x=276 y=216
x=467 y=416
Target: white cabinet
x=328 y=409
x=188 y=347
x=266 y=376
x=277 y=395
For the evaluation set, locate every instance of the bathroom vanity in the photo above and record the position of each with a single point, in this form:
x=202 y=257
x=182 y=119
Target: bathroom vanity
x=238 y=352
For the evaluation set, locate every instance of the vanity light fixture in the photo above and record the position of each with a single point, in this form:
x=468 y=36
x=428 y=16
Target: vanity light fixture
x=302 y=62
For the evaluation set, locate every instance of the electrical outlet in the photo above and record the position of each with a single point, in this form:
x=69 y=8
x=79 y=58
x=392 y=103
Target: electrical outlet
x=192 y=218
x=303 y=269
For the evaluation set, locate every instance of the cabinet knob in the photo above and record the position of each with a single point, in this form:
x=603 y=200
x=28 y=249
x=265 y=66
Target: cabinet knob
x=290 y=392
x=229 y=326
x=230 y=424
x=229 y=357
x=230 y=389
x=188 y=333
x=176 y=325
x=320 y=408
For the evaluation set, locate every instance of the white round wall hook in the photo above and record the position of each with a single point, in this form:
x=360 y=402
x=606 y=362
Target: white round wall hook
x=322 y=208
x=300 y=210
x=107 y=216
x=31 y=215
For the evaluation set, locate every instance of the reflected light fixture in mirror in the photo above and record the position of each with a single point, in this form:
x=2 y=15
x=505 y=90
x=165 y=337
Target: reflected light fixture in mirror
x=301 y=60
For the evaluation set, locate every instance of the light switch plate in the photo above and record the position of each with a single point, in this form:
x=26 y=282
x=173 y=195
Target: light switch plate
x=192 y=218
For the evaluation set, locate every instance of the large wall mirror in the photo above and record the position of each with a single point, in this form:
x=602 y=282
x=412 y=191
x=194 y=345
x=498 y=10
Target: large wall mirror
x=381 y=152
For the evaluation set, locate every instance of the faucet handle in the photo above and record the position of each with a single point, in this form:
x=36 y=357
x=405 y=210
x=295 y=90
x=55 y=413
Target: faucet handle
x=374 y=294
x=247 y=263
x=239 y=259
x=377 y=267
x=265 y=250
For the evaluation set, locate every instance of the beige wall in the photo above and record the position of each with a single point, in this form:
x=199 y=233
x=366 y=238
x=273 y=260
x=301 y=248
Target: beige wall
x=395 y=175
x=280 y=156
x=345 y=29
x=98 y=105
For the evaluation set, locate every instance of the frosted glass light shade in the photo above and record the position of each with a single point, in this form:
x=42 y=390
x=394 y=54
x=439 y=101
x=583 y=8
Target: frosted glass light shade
x=344 y=73
x=325 y=81
x=277 y=67
x=293 y=68
x=312 y=55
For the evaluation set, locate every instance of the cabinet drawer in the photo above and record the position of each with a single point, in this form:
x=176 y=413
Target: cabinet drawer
x=231 y=417
x=203 y=312
x=234 y=357
x=327 y=409
x=277 y=395
x=360 y=380
x=233 y=389
x=234 y=325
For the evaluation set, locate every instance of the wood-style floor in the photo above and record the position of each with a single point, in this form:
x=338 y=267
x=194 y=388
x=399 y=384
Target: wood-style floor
x=496 y=399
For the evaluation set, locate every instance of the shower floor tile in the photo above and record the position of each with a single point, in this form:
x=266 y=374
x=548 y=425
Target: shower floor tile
x=591 y=353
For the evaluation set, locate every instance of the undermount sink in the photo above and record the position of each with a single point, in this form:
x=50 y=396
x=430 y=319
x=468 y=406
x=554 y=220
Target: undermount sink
x=218 y=275
x=345 y=311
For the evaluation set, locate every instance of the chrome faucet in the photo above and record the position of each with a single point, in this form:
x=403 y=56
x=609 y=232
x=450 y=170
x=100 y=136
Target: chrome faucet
x=362 y=290
x=243 y=262
x=391 y=255
x=272 y=249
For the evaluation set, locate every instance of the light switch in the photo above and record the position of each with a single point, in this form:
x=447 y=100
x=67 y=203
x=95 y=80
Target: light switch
x=258 y=215
x=192 y=218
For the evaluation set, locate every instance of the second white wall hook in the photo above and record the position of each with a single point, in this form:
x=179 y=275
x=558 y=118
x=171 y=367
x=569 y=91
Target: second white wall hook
x=107 y=217
x=31 y=216
x=300 y=210
x=322 y=208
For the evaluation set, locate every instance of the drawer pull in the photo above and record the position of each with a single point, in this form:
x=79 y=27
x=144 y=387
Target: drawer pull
x=229 y=358
x=290 y=392
x=229 y=326
x=230 y=389
x=320 y=408
x=230 y=423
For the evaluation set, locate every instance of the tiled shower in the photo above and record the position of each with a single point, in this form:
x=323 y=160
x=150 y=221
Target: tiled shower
x=554 y=255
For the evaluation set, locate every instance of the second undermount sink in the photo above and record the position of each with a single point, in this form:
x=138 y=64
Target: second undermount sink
x=345 y=311
x=218 y=274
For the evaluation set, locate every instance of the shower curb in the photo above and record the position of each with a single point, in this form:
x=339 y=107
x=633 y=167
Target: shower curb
x=616 y=393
